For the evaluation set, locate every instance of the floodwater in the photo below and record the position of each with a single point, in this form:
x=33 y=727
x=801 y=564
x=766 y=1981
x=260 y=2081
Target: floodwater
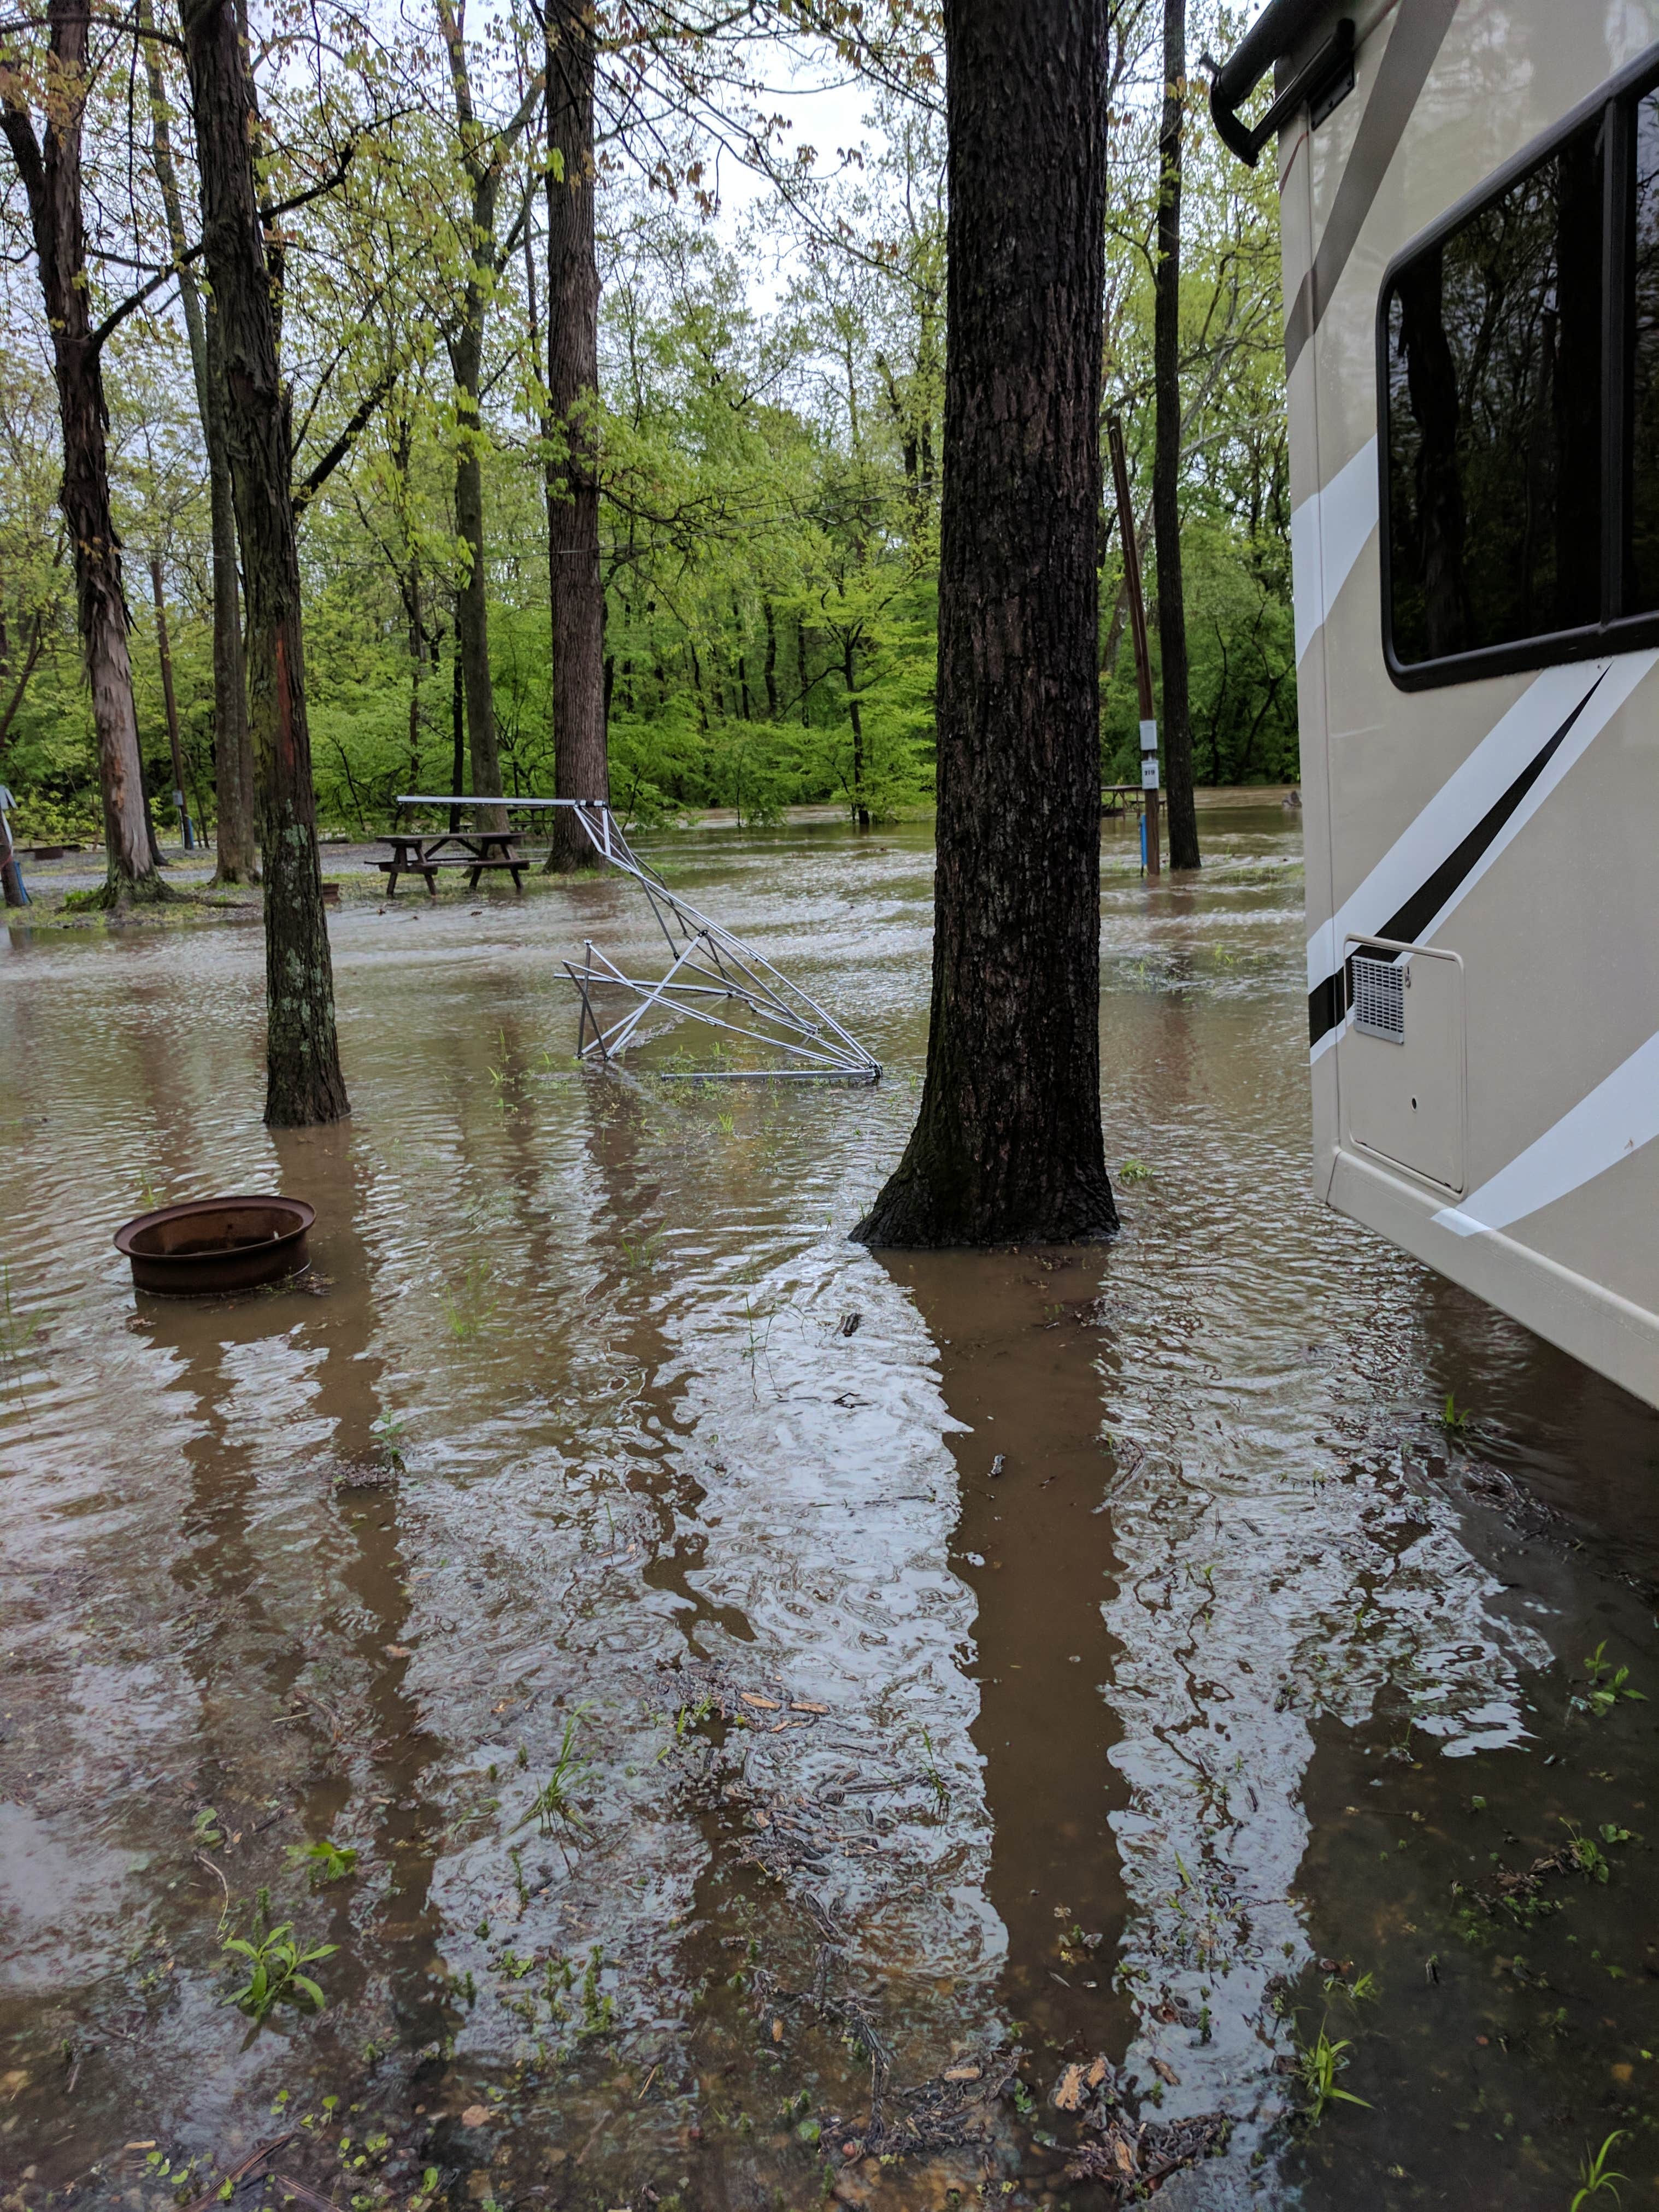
x=965 y=1667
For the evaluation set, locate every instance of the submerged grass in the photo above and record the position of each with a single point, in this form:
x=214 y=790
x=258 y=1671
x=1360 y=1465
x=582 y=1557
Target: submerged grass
x=554 y=1805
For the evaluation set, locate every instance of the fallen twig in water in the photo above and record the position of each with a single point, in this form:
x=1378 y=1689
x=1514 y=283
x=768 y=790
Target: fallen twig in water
x=306 y=2195
x=237 y=2175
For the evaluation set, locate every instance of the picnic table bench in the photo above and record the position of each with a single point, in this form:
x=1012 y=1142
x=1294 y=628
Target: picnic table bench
x=424 y=852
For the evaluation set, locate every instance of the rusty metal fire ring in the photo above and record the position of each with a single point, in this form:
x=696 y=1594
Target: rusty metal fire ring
x=215 y=1244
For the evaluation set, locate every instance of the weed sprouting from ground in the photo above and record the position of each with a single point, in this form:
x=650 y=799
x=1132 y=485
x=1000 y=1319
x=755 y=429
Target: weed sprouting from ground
x=598 y=2011
x=324 y=1861
x=1453 y=1418
x=686 y=1718
x=388 y=1432
x=554 y=1805
x=1608 y=1686
x=641 y=1256
x=273 y=1962
x=1596 y=2176
x=1320 y=2063
x=469 y=1309
x=17 y=1331
x=935 y=1781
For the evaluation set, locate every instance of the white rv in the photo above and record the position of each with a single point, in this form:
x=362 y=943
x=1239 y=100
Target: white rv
x=1470 y=202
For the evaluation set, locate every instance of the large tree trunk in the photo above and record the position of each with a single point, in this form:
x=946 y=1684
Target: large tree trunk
x=1007 y=1146
x=1166 y=455
x=238 y=860
x=304 y=1083
x=51 y=172
x=580 y=762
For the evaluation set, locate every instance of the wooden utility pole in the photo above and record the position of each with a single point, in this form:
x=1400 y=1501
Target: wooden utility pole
x=171 y=704
x=1125 y=526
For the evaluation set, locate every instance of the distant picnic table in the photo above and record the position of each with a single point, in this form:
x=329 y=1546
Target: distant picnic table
x=424 y=852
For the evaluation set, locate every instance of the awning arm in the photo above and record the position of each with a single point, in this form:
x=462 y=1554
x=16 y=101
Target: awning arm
x=1326 y=80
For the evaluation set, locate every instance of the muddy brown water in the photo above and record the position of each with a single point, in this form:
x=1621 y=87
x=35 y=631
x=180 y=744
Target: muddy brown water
x=1244 y=1678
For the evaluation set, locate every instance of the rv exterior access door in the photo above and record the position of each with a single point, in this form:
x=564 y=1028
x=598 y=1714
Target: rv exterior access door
x=1471 y=257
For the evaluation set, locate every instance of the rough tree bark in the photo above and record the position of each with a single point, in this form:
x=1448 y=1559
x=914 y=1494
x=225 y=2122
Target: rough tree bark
x=1166 y=454
x=304 y=1083
x=232 y=747
x=50 y=169
x=580 y=762
x=1007 y=1146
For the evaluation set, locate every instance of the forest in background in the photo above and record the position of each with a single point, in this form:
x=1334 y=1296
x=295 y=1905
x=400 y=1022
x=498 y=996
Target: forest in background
x=767 y=432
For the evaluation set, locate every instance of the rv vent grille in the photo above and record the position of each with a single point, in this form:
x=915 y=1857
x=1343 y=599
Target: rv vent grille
x=1379 y=999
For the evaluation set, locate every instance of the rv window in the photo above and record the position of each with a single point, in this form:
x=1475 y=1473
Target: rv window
x=1494 y=415
x=1641 y=581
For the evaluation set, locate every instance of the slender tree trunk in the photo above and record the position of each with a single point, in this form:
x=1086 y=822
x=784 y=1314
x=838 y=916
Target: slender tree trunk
x=1166 y=457
x=238 y=856
x=51 y=172
x=416 y=664
x=771 y=661
x=304 y=1083
x=849 y=676
x=168 y=700
x=472 y=606
x=742 y=663
x=581 y=766
x=456 y=723
x=235 y=830
x=483 y=154
x=1008 y=1145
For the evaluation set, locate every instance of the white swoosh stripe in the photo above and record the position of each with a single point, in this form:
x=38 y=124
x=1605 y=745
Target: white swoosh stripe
x=1618 y=1118
x=1471 y=789
x=1329 y=533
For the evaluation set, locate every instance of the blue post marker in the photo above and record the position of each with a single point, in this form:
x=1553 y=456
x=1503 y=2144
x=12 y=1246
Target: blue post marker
x=10 y=874
x=1143 y=843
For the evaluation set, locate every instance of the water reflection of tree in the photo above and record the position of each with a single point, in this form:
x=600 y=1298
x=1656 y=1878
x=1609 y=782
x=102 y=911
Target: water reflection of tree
x=383 y=1764
x=300 y=1656
x=1020 y=1350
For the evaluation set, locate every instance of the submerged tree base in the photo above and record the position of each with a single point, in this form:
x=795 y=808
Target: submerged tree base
x=920 y=1212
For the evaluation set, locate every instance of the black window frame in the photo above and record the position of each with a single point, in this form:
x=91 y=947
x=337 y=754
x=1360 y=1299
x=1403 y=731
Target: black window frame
x=1614 y=102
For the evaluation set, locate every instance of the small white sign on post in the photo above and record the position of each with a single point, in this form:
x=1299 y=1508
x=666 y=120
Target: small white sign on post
x=1149 y=737
x=1149 y=772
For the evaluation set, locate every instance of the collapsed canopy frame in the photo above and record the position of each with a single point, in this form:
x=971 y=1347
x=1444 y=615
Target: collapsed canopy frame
x=714 y=977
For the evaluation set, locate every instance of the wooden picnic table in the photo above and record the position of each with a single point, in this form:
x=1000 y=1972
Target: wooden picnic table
x=424 y=852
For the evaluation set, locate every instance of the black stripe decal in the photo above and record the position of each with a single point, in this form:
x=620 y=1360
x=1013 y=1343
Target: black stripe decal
x=1329 y=1002
x=1407 y=60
